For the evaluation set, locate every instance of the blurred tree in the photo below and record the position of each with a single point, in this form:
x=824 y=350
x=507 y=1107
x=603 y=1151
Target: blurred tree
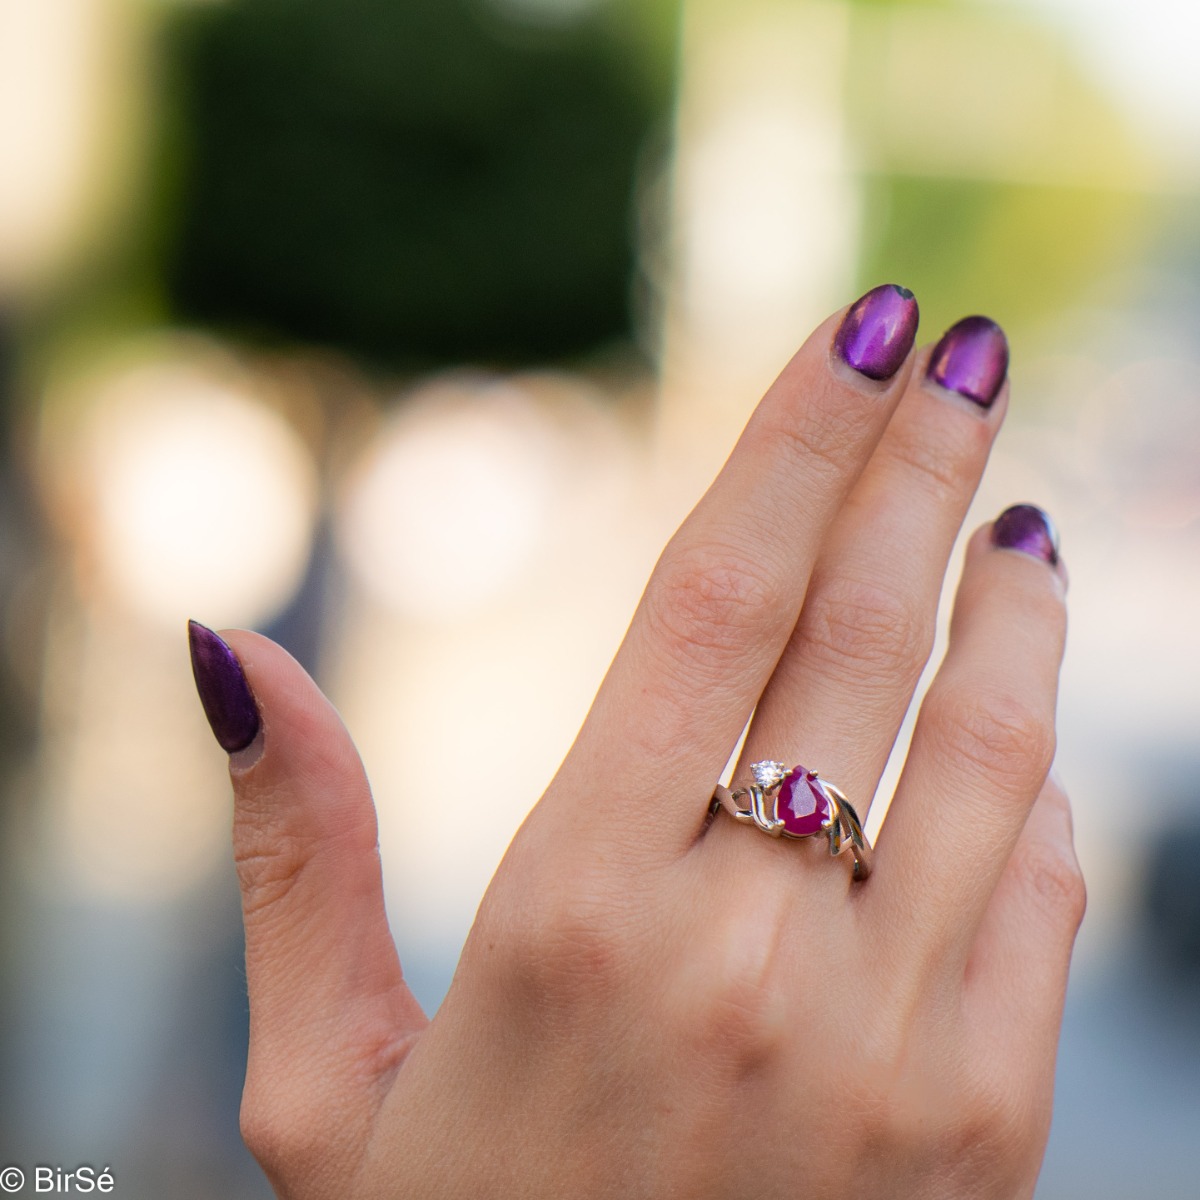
x=998 y=174
x=414 y=181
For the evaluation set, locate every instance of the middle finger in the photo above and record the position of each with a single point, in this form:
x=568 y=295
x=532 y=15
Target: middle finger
x=839 y=694
x=728 y=588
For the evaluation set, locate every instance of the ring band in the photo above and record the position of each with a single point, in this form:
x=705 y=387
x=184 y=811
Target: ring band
x=795 y=802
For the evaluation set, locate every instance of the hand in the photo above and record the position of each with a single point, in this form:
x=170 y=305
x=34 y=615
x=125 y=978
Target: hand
x=652 y=1005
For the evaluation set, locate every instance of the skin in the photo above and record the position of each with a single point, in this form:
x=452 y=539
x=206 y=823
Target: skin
x=664 y=1009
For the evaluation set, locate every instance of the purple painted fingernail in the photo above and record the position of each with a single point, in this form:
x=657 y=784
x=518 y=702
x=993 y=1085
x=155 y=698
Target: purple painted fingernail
x=971 y=359
x=224 y=692
x=877 y=331
x=1026 y=528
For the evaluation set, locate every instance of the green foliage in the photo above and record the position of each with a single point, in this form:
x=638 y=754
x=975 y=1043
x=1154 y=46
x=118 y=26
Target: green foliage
x=1016 y=252
x=413 y=181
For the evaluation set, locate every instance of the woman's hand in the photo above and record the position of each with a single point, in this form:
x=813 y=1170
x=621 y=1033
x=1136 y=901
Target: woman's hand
x=650 y=1005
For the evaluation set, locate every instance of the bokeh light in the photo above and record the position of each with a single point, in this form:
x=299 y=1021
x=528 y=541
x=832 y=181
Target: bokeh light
x=450 y=505
x=192 y=496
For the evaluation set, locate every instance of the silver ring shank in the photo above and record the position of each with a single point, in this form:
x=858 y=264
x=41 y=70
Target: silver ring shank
x=845 y=830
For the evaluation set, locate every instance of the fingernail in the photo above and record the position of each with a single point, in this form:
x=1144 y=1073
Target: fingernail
x=1026 y=528
x=878 y=330
x=971 y=359
x=224 y=693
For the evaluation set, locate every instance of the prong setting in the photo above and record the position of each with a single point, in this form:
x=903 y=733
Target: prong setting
x=810 y=804
x=769 y=774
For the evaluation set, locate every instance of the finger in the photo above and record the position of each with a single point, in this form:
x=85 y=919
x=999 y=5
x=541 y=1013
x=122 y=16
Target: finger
x=328 y=1003
x=840 y=692
x=724 y=597
x=983 y=742
x=1016 y=978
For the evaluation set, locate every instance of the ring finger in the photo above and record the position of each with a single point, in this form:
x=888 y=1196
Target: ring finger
x=838 y=695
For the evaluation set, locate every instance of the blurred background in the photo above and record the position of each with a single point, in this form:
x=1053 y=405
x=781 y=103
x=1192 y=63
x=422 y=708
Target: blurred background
x=406 y=330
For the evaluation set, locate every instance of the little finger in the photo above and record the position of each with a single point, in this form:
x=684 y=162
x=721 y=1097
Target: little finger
x=983 y=743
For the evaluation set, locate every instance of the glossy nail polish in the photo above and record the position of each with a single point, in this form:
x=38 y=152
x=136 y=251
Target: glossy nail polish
x=224 y=692
x=1026 y=528
x=878 y=330
x=971 y=359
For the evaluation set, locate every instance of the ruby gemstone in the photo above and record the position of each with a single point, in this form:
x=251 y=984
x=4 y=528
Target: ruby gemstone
x=802 y=804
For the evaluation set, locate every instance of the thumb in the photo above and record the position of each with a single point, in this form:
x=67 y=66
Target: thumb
x=329 y=1008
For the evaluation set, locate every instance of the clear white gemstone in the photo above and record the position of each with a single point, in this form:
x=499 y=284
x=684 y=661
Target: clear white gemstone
x=768 y=773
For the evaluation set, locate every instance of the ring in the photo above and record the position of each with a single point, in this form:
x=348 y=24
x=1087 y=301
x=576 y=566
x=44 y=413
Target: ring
x=795 y=802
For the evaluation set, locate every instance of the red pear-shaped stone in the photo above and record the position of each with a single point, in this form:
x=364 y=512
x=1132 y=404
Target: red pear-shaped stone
x=802 y=804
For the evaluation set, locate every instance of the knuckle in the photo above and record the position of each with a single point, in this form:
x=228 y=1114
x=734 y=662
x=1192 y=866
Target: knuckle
x=1001 y=738
x=1050 y=874
x=818 y=439
x=940 y=458
x=264 y=1137
x=968 y=1116
x=735 y=1015
x=860 y=627
x=569 y=946
x=703 y=601
x=270 y=861
x=971 y=1111
x=739 y=1024
x=285 y=1138
x=992 y=1119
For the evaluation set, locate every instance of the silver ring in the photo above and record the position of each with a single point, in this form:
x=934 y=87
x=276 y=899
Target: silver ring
x=794 y=802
